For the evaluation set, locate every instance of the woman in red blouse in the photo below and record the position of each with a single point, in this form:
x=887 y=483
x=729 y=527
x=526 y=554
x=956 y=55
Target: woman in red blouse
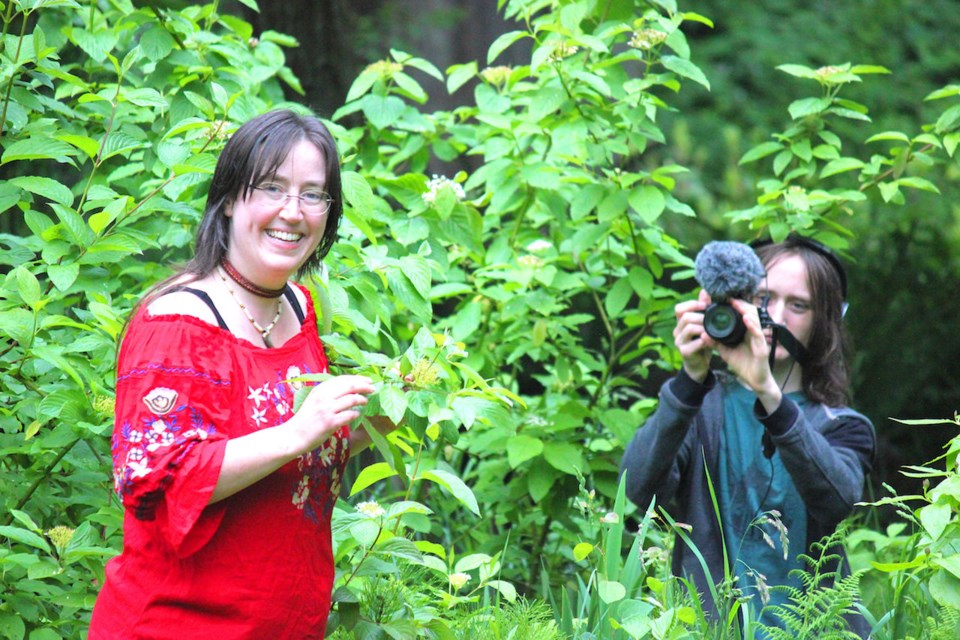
x=228 y=492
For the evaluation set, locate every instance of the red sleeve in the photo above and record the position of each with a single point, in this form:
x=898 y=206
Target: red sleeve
x=173 y=408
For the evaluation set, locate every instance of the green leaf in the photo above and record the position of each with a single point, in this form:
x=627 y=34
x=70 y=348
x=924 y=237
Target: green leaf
x=382 y=111
x=28 y=286
x=945 y=589
x=582 y=550
x=840 y=165
x=617 y=297
x=460 y=74
x=393 y=401
x=565 y=456
x=760 y=151
x=918 y=183
x=808 y=107
x=63 y=276
x=502 y=42
x=45 y=187
x=935 y=518
x=371 y=474
x=610 y=591
x=648 y=202
x=38 y=149
x=23 y=536
x=156 y=43
x=506 y=589
x=455 y=485
x=521 y=448
x=686 y=69
x=86 y=144
x=798 y=71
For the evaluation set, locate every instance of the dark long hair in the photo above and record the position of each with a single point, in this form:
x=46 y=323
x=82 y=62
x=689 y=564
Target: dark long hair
x=826 y=378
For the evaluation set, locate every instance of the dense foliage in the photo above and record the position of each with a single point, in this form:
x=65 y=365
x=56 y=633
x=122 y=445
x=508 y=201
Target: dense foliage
x=529 y=300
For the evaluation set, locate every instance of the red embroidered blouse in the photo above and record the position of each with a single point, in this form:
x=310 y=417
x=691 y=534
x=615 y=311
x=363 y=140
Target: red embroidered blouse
x=258 y=564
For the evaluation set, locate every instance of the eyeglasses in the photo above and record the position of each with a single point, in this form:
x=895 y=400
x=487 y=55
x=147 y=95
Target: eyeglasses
x=316 y=203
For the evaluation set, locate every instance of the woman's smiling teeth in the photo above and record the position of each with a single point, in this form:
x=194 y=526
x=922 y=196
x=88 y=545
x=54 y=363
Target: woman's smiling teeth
x=286 y=236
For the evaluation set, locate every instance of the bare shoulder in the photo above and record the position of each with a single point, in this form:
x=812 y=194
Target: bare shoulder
x=175 y=301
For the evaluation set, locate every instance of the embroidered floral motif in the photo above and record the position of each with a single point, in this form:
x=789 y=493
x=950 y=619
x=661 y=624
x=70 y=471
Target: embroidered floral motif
x=322 y=470
x=160 y=400
x=136 y=448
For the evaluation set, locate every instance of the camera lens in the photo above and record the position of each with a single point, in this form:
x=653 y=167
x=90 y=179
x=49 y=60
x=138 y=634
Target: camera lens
x=722 y=323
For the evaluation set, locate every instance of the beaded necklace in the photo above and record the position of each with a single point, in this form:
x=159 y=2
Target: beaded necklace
x=264 y=332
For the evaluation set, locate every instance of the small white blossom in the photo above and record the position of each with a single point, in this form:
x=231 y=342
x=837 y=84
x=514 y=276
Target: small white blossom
x=437 y=183
x=458 y=580
x=539 y=245
x=610 y=518
x=371 y=509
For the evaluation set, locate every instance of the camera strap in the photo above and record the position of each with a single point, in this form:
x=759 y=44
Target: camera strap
x=782 y=335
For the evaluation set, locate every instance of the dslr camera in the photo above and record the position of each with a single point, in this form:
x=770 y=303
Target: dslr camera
x=725 y=325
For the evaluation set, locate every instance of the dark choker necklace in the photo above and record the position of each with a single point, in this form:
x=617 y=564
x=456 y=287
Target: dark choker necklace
x=255 y=289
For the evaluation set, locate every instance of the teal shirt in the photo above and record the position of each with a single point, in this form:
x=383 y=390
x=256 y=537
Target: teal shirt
x=751 y=485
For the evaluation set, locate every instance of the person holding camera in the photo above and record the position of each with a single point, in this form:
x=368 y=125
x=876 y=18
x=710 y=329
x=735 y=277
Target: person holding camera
x=771 y=437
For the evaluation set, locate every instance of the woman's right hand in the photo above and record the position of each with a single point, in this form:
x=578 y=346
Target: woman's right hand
x=694 y=344
x=329 y=405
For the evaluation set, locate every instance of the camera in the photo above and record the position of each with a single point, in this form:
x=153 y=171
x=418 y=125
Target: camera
x=724 y=324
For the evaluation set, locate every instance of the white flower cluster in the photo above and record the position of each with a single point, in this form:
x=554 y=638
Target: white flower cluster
x=458 y=580
x=371 y=509
x=437 y=183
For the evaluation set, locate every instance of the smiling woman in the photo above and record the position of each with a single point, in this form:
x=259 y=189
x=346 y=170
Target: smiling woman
x=228 y=492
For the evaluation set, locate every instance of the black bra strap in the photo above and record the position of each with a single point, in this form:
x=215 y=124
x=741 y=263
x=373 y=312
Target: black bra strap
x=292 y=299
x=287 y=292
x=206 y=300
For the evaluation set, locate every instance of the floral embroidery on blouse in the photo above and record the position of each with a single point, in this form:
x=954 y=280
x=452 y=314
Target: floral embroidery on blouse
x=321 y=470
x=138 y=444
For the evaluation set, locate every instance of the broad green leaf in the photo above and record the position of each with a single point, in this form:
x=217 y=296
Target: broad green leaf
x=610 y=591
x=647 y=201
x=506 y=589
x=565 y=456
x=521 y=448
x=24 y=536
x=808 y=107
x=86 y=144
x=38 y=149
x=582 y=550
x=798 y=71
x=393 y=401
x=502 y=42
x=840 y=165
x=45 y=187
x=760 y=151
x=935 y=518
x=455 y=485
x=617 y=297
x=371 y=474
x=156 y=42
x=382 y=111
x=686 y=69
x=945 y=589
x=28 y=286
x=460 y=74
x=63 y=276
x=471 y=562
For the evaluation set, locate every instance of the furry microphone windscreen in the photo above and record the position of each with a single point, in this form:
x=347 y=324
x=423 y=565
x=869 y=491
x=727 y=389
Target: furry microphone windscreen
x=728 y=270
